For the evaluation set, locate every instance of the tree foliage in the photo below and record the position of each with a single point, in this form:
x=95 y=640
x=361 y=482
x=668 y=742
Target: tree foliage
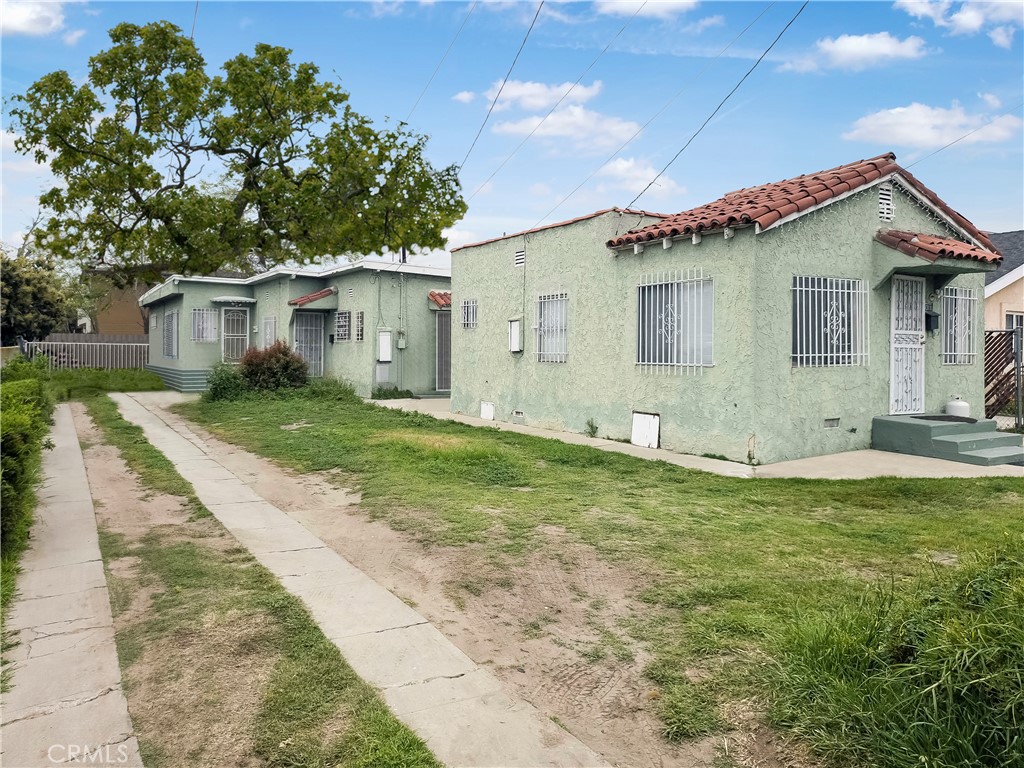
x=34 y=297
x=159 y=163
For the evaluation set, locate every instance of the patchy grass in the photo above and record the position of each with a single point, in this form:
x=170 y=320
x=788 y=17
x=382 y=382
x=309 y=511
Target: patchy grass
x=727 y=561
x=153 y=468
x=79 y=383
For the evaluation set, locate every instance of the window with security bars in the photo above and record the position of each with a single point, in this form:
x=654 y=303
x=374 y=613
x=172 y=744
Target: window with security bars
x=154 y=321
x=360 y=326
x=552 y=328
x=171 y=333
x=830 y=321
x=269 y=331
x=204 y=325
x=675 y=322
x=958 y=326
x=469 y=313
x=343 y=326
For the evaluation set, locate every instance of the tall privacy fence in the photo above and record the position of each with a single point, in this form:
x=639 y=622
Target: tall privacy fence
x=90 y=350
x=1004 y=369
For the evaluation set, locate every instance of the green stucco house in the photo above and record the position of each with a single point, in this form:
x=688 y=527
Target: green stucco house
x=774 y=323
x=372 y=323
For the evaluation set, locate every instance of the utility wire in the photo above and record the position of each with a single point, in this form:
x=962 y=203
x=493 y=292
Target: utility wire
x=445 y=56
x=970 y=133
x=505 y=80
x=559 y=102
x=720 y=104
x=191 y=34
x=653 y=117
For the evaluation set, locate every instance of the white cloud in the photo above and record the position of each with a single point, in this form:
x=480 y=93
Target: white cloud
x=653 y=9
x=72 y=37
x=924 y=127
x=587 y=128
x=627 y=175
x=857 y=52
x=1000 y=18
x=1002 y=36
x=464 y=96
x=536 y=96
x=706 y=23
x=991 y=100
x=27 y=17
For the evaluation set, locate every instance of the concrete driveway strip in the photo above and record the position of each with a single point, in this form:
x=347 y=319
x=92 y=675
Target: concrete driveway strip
x=65 y=700
x=458 y=708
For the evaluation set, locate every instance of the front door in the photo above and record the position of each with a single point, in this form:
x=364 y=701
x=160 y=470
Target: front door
x=309 y=340
x=906 y=381
x=444 y=351
x=235 y=338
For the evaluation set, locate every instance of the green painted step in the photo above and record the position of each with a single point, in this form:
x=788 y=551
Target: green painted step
x=975 y=441
x=988 y=457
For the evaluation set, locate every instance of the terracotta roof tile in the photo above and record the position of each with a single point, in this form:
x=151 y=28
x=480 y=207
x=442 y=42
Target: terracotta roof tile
x=441 y=298
x=769 y=203
x=309 y=298
x=931 y=247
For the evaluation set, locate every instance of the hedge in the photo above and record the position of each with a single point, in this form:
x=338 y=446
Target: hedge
x=25 y=409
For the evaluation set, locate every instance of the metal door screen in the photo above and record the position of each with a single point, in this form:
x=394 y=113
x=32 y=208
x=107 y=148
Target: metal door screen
x=309 y=340
x=235 y=338
x=906 y=382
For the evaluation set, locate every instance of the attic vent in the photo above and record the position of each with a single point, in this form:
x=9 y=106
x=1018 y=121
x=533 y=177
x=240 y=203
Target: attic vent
x=520 y=258
x=351 y=293
x=885 y=202
x=267 y=295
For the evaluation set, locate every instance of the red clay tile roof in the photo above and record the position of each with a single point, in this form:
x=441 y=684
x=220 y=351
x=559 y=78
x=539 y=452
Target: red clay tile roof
x=931 y=247
x=595 y=214
x=770 y=203
x=311 y=297
x=441 y=298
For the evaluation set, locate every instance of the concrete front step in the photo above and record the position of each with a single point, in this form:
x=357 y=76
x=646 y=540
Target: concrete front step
x=975 y=442
x=1007 y=454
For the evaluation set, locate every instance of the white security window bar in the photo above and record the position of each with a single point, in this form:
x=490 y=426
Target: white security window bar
x=171 y=334
x=552 y=328
x=469 y=313
x=958 y=319
x=519 y=259
x=886 y=204
x=343 y=326
x=830 y=321
x=1014 y=320
x=360 y=326
x=235 y=338
x=675 y=322
x=269 y=331
x=204 y=325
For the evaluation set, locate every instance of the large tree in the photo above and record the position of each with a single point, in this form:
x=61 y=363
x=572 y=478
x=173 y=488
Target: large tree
x=35 y=298
x=159 y=163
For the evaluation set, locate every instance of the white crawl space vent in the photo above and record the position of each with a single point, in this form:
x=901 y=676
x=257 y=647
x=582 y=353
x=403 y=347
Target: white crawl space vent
x=646 y=430
x=886 y=206
x=487 y=411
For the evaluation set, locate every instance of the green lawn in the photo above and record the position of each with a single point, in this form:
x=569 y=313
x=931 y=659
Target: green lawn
x=727 y=562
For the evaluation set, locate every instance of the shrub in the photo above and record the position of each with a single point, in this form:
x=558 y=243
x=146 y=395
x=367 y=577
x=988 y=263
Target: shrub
x=276 y=367
x=391 y=393
x=591 y=428
x=225 y=383
x=21 y=368
x=927 y=674
x=25 y=409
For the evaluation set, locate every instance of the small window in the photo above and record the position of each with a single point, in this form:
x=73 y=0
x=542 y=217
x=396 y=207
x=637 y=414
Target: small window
x=519 y=259
x=154 y=321
x=553 y=328
x=469 y=313
x=204 y=325
x=171 y=334
x=1014 y=320
x=830 y=321
x=343 y=326
x=958 y=335
x=269 y=331
x=360 y=325
x=886 y=205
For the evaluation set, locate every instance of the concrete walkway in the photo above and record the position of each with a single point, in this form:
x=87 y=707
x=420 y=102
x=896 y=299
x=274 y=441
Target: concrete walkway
x=850 y=465
x=457 y=707
x=65 y=700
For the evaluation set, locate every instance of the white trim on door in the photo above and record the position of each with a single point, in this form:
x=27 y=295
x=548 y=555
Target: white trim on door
x=906 y=345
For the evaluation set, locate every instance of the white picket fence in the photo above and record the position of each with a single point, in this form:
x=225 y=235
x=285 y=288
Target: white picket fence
x=90 y=354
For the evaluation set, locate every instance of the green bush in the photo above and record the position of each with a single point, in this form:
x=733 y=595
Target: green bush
x=25 y=409
x=276 y=367
x=225 y=382
x=927 y=674
x=21 y=368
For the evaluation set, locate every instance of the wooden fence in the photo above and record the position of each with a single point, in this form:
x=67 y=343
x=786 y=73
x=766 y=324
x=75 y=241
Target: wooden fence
x=1003 y=369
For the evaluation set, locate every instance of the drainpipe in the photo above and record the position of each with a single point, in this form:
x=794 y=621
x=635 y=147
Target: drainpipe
x=1018 y=370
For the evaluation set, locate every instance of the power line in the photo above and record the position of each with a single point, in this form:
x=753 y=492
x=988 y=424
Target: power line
x=969 y=133
x=655 y=116
x=445 y=56
x=505 y=80
x=191 y=34
x=559 y=102
x=720 y=104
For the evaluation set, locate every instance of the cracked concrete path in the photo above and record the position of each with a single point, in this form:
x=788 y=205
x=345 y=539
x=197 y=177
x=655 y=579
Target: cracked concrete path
x=458 y=708
x=65 y=704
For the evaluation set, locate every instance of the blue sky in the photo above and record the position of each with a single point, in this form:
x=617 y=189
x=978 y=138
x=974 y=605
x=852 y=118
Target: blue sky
x=846 y=81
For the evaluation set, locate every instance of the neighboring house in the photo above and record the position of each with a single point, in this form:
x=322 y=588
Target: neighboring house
x=372 y=323
x=771 y=324
x=1004 y=288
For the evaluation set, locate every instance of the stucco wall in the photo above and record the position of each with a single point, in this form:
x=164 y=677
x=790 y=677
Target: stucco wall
x=752 y=404
x=1009 y=299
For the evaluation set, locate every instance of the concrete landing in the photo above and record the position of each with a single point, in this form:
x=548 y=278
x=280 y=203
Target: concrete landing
x=458 y=708
x=65 y=700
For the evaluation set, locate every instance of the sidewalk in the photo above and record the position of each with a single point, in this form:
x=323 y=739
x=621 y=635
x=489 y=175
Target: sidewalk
x=851 y=465
x=457 y=707
x=65 y=699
